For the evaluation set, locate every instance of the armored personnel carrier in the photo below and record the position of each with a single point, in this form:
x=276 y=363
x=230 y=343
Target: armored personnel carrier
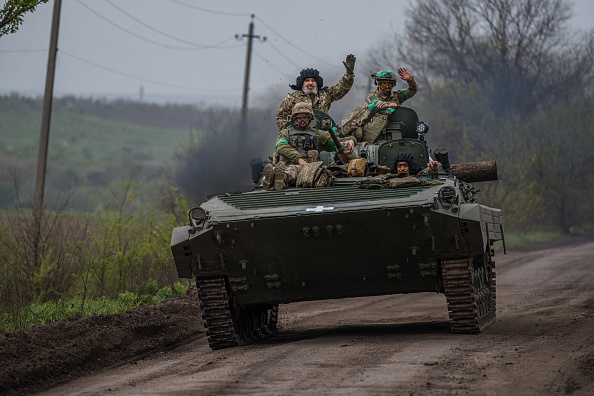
x=251 y=251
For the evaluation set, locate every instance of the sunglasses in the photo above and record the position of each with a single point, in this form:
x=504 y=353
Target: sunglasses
x=301 y=118
x=386 y=84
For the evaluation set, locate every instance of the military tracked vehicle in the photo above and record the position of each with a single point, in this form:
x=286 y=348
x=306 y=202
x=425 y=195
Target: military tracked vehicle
x=251 y=251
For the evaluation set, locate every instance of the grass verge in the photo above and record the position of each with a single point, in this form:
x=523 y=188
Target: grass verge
x=148 y=293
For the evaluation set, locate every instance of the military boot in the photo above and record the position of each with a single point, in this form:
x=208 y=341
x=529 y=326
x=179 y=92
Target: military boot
x=325 y=178
x=268 y=179
x=279 y=176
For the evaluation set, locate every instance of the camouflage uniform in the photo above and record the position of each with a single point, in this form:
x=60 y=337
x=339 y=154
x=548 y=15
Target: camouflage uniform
x=321 y=101
x=376 y=99
x=412 y=165
x=304 y=142
x=399 y=180
x=288 y=148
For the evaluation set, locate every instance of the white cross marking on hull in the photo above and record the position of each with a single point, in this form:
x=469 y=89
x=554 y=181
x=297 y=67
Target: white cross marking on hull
x=319 y=208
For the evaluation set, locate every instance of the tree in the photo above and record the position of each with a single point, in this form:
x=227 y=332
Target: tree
x=518 y=51
x=11 y=14
x=507 y=80
x=215 y=160
x=560 y=143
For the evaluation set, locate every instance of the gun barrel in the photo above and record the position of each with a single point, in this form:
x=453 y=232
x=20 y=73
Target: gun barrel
x=335 y=139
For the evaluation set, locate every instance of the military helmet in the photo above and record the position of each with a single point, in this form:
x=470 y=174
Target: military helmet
x=384 y=75
x=302 y=108
x=404 y=157
x=308 y=73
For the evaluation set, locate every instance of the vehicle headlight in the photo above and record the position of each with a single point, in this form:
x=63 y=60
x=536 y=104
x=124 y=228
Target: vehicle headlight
x=197 y=214
x=447 y=194
x=422 y=128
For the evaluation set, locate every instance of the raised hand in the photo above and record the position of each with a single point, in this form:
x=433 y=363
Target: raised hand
x=349 y=63
x=406 y=76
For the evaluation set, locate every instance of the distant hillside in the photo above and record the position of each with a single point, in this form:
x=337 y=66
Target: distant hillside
x=91 y=142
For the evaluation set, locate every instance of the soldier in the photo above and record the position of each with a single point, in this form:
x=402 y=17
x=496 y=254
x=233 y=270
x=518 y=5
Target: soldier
x=310 y=88
x=298 y=145
x=404 y=162
x=382 y=99
x=404 y=173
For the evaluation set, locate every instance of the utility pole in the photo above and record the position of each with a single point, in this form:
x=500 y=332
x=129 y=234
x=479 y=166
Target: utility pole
x=46 y=116
x=248 y=59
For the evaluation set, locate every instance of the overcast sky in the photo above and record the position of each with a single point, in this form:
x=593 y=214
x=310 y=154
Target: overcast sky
x=186 y=51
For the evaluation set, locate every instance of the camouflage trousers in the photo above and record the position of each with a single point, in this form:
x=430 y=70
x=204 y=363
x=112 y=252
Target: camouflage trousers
x=323 y=177
x=280 y=176
x=291 y=173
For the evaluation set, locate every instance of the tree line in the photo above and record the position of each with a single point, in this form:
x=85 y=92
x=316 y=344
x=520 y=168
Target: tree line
x=508 y=80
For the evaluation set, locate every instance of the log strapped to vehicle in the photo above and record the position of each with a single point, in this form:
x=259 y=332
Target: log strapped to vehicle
x=472 y=172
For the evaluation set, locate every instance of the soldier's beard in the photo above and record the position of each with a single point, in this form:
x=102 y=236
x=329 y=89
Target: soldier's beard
x=310 y=91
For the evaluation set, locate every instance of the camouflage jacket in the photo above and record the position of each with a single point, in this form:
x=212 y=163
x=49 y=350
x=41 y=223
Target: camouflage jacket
x=321 y=101
x=289 y=146
x=379 y=100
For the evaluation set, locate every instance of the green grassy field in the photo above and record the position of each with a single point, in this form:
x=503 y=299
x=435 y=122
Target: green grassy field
x=91 y=143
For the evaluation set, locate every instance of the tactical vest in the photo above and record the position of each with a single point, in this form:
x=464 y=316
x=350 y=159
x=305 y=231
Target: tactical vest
x=303 y=140
x=375 y=124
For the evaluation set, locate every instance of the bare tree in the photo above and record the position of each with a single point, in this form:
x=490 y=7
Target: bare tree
x=518 y=51
x=507 y=80
x=216 y=159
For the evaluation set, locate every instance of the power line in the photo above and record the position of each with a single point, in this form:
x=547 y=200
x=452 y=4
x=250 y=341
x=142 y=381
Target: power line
x=267 y=26
x=22 y=51
x=210 y=11
x=283 y=55
x=161 y=32
x=271 y=65
x=293 y=45
x=144 y=79
x=194 y=48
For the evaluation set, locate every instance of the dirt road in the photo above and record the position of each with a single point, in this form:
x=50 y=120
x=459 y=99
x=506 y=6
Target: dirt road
x=542 y=343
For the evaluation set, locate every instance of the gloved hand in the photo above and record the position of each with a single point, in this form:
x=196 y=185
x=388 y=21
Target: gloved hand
x=349 y=63
x=347 y=147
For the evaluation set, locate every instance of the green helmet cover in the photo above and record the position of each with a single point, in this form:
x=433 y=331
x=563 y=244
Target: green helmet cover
x=384 y=75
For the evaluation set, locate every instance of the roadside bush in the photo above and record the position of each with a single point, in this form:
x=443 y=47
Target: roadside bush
x=81 y=258
x=169 y=291
x=52 y=311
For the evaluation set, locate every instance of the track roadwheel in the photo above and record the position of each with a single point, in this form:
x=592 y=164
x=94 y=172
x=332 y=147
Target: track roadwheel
x=470 y=292
x=217 y=313
x=227 y=323
x=257 y=321
x=271 y=319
